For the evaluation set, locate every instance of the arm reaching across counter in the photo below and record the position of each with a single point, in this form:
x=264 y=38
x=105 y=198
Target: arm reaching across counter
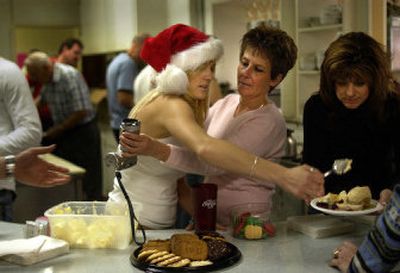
x=28 y=168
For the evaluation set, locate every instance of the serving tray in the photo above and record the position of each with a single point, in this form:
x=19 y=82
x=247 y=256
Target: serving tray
x=227 y=261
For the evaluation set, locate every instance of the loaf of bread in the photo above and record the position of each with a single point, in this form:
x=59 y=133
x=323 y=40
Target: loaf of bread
x=188 y=245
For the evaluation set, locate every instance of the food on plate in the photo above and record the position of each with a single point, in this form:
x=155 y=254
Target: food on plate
x=189 y=246
x=162 y=258
x=358 y=198
x=217 y=248
x=170 y=261
x=359 y=195
x=180 y=263
x=185 y=250
x=158 y=244
x=209 y=235
x=156 y=255
x=200 y=263
x=145 y=253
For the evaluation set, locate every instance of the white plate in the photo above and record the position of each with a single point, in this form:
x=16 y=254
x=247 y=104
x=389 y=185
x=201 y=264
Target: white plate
x=377 y=207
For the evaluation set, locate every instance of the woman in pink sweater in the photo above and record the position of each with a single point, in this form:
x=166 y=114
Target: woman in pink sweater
x=248 y=119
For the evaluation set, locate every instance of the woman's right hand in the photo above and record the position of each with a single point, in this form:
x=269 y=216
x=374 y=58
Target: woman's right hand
x=134 y=144
x=304 y=182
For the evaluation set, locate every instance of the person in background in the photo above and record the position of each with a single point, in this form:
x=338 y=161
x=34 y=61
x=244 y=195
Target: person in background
x=120 y=76
x=20 y=126
x=75 y=128
x=247 y=119
x=380 y=250
x=28 y=168
x=143 y=83
x=174 y=113
x=35 y=87
x=355 y=115
x=70 y=52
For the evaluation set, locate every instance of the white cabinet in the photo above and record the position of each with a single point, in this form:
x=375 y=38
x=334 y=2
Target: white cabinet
x=317 y=24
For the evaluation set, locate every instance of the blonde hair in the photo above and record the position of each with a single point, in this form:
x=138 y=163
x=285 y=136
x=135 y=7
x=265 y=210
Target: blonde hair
x=199 y=107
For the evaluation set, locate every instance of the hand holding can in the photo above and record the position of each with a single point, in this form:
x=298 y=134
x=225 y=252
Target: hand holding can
x=114 y=158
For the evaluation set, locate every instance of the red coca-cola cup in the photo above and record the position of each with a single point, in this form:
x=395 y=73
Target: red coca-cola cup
x=205 y=206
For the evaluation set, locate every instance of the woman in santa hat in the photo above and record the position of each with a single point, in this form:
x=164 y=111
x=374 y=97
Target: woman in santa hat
x=174 y=113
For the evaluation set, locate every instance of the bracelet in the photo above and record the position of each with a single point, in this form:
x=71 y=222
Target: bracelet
x=9 y=161
x=253 y=167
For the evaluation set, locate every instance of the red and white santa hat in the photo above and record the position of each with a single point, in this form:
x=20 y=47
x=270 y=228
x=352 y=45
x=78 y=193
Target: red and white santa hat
x=175 y=50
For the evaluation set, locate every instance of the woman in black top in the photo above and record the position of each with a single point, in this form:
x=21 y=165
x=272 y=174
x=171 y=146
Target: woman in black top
x=356 y=115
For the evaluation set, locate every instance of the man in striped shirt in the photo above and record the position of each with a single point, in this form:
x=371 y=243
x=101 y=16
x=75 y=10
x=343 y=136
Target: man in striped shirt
x=380 y=250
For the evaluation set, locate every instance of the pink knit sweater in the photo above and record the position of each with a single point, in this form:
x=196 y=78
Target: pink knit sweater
x=261 y=132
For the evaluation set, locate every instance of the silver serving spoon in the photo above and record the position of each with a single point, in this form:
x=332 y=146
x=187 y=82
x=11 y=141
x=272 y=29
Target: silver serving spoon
x=340 y=166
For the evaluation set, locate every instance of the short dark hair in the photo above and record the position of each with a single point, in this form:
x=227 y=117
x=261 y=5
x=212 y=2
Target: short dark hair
x=274 y=44
x=69 y=43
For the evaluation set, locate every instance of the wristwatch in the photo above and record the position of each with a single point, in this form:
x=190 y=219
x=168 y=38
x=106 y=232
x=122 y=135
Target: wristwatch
x=10 y=165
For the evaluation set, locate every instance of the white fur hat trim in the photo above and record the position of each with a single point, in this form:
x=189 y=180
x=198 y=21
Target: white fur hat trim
x=173 y=78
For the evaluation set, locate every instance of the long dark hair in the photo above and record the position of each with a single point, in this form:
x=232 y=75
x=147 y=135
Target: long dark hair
x=357 y=56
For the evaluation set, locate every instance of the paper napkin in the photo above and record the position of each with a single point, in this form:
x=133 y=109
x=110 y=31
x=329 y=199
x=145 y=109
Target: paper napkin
x=32 y=250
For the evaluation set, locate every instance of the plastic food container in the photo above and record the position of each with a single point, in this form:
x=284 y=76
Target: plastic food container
x=91 y=224
x=251 y=221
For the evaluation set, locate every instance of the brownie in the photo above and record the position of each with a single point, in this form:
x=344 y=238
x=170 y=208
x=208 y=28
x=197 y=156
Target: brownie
x=217 y=249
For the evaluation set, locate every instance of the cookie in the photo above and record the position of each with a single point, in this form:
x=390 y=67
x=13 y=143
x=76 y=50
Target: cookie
x=158 y=244
x=181 y=263
x=169 y=261
x=145 y=253
x=156 y=255
x=189 y=246
x=162 y=258
x=200 y=263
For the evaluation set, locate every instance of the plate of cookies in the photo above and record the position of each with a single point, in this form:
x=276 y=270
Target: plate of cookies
x=186 y=252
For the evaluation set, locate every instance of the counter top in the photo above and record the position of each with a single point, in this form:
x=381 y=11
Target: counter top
x=287 y=252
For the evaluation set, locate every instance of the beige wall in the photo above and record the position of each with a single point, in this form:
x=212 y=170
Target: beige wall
x=107 y=25
x=104 y=25
x=46 y=39
x=229 y=20
x=35 y=15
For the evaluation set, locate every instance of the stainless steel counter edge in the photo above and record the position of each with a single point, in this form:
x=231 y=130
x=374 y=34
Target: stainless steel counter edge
x=288 y=251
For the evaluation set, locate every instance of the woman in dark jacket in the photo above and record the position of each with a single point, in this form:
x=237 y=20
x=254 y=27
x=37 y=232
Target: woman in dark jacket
x=356 y=115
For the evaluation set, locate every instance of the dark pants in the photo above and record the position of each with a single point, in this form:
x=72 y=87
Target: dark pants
x=6 y=200
x=81 y=145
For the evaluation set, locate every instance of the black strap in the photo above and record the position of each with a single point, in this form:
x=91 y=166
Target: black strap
x=131 y=212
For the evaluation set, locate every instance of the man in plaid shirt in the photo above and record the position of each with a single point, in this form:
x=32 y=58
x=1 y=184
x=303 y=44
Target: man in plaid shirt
x=75 y=129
